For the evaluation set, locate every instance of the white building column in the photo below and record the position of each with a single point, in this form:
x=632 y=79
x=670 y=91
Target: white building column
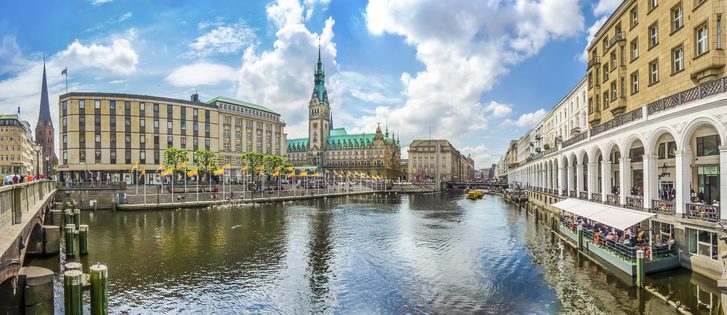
x=561 y=177
x=570 y=180
x=625 y=184
x=682 y=176
x=592 y=178
x=605 y=179
x=650 y=180
x=579 y=179
x=722 y=181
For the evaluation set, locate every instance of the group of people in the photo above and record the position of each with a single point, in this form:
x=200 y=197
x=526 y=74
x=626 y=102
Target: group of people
x=668 y=193
x=634 y=236
x=17 y=179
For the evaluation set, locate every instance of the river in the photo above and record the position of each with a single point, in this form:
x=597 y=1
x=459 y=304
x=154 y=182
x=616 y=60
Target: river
x=432 y=253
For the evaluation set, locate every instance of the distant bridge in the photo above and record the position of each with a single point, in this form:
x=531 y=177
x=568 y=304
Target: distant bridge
x=476 y=185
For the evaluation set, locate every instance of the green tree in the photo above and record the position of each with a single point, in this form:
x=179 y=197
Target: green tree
x=206 y=162
x=252 y=160
x=173 y=157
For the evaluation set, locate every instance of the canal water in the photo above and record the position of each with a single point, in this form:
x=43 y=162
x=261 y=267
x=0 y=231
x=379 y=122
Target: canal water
x=434 y=253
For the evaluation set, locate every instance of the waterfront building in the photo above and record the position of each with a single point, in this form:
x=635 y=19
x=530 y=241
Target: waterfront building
x=247 y=127
x=656 y=143
x=104 y=134
x=18 y=153
x=374 y=154
x=432 y=159
x=567 y=119
x=44 y=131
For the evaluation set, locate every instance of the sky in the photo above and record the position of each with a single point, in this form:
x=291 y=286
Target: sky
x=475 y=72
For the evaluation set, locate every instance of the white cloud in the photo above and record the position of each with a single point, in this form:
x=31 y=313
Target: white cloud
x=528 y=120
x=480 y=154
x=282 y=78
x=464 y=46
x=119 y=58
x=223 y=39
x=201 y=74
x=498 y=110
x=592 y=30
x=606 y=7
x=99 y=2
x=310 y=5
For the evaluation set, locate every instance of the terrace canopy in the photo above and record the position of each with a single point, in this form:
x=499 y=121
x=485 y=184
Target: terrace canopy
x=617 y=217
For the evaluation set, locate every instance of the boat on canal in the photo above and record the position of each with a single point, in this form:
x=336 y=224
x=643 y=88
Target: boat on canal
x=475 y=194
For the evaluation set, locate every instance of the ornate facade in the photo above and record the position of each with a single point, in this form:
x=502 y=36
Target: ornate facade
x=374 y=154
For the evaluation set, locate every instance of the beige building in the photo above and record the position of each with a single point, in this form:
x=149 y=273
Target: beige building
x=648 y=50
x=103 y=134
x=429 y=159
x=17 y=149
x=247 y=127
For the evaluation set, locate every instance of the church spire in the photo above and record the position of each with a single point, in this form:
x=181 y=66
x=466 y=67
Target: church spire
x=319 y=88
x=44 y=116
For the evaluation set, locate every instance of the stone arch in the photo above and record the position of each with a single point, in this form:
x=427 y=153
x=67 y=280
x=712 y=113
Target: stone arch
x=580 y=155
x=696 y=123
x=652 y=141
x=629 y=142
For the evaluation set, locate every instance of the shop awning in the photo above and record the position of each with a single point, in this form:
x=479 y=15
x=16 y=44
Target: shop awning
x=617 y=217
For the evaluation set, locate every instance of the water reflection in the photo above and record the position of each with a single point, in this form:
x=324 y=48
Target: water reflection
x=432 y=253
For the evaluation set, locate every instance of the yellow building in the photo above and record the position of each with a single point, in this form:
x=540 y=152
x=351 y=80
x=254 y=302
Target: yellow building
x=432 y=159
x=248 y=127
x=648 y=50
x=17 y=149
x=103 y=134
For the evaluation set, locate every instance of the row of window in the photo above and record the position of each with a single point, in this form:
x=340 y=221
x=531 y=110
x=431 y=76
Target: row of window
x=142 y=123
x=98 y=156
x=248 y=111
x=127 y=107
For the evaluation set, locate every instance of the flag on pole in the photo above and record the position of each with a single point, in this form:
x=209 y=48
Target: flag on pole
x=192 y=173
x=65 y=71
x=143 y=172
x=167 y=171
x=276 y=174
x=303 y=173
x=134 y=166
x=316 y=174
x=245 y=168
x=226 y=166
x=219 y=171
x=161 y=167
x=182 y=166
x=290 y=168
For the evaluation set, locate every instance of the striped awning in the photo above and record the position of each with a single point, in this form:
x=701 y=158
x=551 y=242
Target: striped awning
x=617 y=217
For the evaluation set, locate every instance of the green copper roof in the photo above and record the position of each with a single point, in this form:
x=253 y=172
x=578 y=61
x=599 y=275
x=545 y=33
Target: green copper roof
x=338 y=132
x=298 y=144
x=241 y=103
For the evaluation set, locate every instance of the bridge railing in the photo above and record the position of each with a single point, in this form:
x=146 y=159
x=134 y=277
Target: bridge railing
x=15 y=200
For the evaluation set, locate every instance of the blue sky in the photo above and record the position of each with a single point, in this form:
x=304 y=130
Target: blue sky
x=476 y=72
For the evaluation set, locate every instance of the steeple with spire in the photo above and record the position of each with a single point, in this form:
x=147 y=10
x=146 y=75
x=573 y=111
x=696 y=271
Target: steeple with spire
x=319 y=89
x=44 y=132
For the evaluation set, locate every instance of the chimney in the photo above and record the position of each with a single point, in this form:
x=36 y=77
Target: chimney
x=195 y=97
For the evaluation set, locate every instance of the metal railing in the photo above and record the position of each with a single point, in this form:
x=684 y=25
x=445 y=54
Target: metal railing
x=564 y=192
x=572 y=194
x=613 y=200
x=580 y=137
x=634 y=202
x=596 y=197
x=662 y=207
x=702 y=212
x=618 y=121
x=583 y=195
x=698 y=92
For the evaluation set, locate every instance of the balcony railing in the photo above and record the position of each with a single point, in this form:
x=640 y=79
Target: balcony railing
x=702 y=212
x=564 y=192
x=698 y=92
x=662 y=207
x=596 y=197
x=612 y=200
x=594 y=61
x=618 y=121
x=576 y=139
x=572 y=194
x=583 y=195
x=636 y=203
